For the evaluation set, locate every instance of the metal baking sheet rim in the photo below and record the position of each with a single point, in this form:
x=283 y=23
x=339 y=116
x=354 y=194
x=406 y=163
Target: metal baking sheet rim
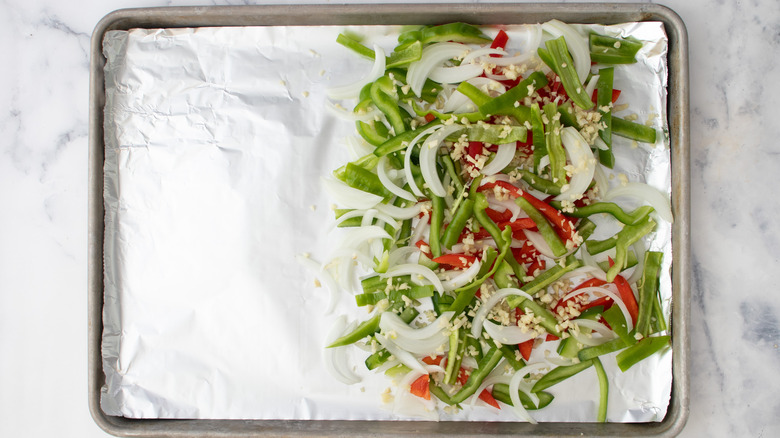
x=606 y=13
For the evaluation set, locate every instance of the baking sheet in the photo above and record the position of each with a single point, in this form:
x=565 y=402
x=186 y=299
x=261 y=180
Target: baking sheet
x=213 y=189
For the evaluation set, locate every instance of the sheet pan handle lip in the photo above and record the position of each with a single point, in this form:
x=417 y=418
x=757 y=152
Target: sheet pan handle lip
x=675 y=421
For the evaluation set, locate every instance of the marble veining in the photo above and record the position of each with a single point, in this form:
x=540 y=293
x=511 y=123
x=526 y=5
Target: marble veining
x=735 y=308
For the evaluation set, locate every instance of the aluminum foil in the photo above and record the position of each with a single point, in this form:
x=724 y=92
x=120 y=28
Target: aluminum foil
x=216 y=139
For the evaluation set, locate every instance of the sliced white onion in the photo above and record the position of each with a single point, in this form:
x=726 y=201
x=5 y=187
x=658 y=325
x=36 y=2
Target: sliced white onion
x=432 y=57
x=335 y=358
x=504 y=156
x=361 y=213
x=606 y=291
x=459 y=103
x=349 y=197
x=590 y=262
x=644 y=193
x=533 y=38
x=507 y=204
x=357 y=236
x=544 y=162
x=428 y=152
x=590 y=341
x=381 y=171
x=416 y=271
x=578 y=45
x=358 y=148
x=602 y=183
x=639 y=250
x=462 y=278
x=419 y=229
x=352 y=90
x=324 y=277
x=591 y=85
x=485 y=51
x=400 y=213
x=346 y=269
x=408 y=160
x=508 y=335
x=539 y=243
x=513 y=60
x=390 y=321
x=514 y=388
x=344 y=114
x=403 y=356
x=402 y=254
x=583 y=162
x=599 y=143
x=410 y=405
x=455 y=75
x=492 y=379
x=487 y=306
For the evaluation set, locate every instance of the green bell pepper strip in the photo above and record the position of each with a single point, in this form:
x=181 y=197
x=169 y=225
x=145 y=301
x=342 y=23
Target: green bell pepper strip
x=465 y=295
x=367 y=162
x=452 y=171
x=441 y=303
x=614 y=317
x=509 y=355
x=648 y=288
x=378 y=284
x=410 y=35
x=365 y=180
x=437 y=219
x=471 y=117
x=370 y=298
x=457 y=32
x=458 y=223
x=631 y=261
x=401 y=141
x=568 y=115
x=475 y=94
x=501 y=238
x=554 y=144
x=612 y=209
x=501 y=393
x=374 y=132
x=484 y=367
x=545 y=279
x=611 y=50
x=640 y=351
x=604 y=100
x=364 y=329
x=570 y=346
x=384 y=96
x=610 y=346
x=398 y=370
x=557 y=57
x=598 y=246
x=348 y=223
x=355 y=46
x=540 y=144
x=493 y=134
x=545 y=229
x=585 y=228
x=440 y=393
x=559 y=374
x=414 y=292
x=601 y=417
x=658 y=313
x=473 y=347
x=633 y=131
x=629 y=235
x=375 y=360
x=505 y=103
x=455 y=357
x=404 y=55
x=504 y=279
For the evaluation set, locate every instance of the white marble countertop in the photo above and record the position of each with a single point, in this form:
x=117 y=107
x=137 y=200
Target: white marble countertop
x=735 y=310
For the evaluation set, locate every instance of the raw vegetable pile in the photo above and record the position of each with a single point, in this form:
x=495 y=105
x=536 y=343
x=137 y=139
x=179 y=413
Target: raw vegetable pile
x=469 y=212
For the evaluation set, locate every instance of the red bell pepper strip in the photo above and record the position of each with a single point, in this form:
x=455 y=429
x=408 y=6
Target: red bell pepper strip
x=551 y=338
x=537 y=265
x=498 y=216
x=526 y=348
x=425 y=248
x=499 y=42
x=524 y=223
x=461 y=261
x=487 y=397
x=433 y=360
x=429 y=118
x=421 y=387
x=627 y=295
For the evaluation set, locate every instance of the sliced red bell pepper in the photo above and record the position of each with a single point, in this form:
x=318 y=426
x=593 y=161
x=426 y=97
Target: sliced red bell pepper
x=526 y=348
x=433 y=360
x=627 y=295
x=421 y=388
x=487 y=397
x=499 y=42
x=524 y=223
x=424 y=247
x=430 y=117
x=593 y=282
x=551 y=338
x=498 y=216
x=526 y=253
x=461 y=261
x=537 y=264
